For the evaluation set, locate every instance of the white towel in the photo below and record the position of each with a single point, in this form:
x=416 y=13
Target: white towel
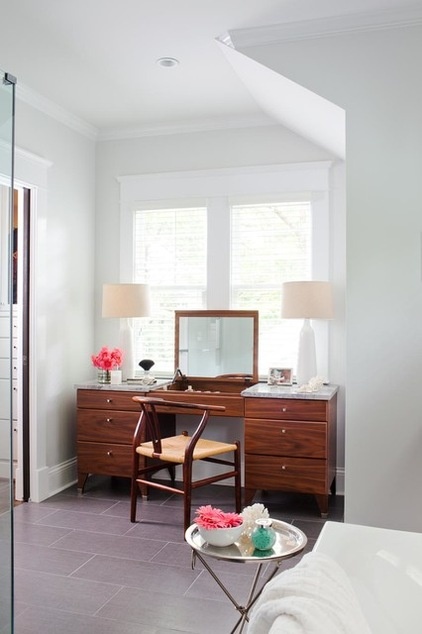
x=314 y=597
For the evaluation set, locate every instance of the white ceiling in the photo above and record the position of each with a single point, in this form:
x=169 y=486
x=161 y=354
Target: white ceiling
x=97 y=59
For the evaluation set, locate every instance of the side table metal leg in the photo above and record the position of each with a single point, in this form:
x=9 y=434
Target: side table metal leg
x=244 y=617
x=238 y=607
x=252 y=596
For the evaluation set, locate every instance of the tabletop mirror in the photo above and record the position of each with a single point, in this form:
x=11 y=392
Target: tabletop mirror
x=218 y=347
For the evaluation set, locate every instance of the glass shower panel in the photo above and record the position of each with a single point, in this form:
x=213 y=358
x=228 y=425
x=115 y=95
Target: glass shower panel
x=7 y=97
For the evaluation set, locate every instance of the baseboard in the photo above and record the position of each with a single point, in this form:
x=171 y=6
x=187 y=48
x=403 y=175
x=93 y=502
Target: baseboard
x=62 y=476
x=52 y=480
x=340 y=481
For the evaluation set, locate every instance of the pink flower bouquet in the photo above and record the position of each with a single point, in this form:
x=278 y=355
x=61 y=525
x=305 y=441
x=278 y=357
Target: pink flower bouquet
x=208 y=517
x=107 y=359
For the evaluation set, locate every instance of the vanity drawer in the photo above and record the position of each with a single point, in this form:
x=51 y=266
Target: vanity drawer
x=111 y=427
x=105 y=458
x=274 y=438
x=285 y=474
x=108 y=399
x=286 y=409
x=233 y=404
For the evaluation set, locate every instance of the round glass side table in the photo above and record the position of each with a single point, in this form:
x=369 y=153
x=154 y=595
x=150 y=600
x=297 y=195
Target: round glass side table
x=289 y=542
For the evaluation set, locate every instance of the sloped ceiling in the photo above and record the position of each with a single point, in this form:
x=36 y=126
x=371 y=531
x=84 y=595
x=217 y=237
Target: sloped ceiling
x=290 y=104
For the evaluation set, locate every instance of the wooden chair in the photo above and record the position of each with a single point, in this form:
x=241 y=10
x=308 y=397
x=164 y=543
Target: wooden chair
x=149 y=447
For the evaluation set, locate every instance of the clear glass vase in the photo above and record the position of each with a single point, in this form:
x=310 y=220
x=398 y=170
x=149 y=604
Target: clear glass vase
x=104 y=376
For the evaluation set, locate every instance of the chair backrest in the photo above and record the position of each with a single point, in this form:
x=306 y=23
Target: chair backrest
x=149 y=427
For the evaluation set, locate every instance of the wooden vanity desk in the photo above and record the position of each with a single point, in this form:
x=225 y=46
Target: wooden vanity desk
x=290 y=436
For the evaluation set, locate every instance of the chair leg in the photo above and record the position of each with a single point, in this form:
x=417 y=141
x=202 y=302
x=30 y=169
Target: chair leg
x=133 y=500
x=134 y=489
x=187 y=493
x=237 y=479
x=172 y=474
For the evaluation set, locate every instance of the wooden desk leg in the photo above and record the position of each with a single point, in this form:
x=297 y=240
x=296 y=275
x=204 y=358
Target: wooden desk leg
x=82 y=478
x=322 y=501
x=249 y=496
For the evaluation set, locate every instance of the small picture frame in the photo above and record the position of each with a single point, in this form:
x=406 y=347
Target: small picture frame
x=280 y=376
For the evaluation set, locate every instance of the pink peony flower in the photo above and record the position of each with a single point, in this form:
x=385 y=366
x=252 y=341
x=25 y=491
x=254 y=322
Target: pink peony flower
x=107 y=359
x=209 y=517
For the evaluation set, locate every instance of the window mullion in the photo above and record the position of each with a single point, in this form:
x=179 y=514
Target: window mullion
x=218 y=263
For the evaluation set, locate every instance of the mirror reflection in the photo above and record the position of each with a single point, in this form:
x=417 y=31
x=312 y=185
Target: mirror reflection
x=217 y=343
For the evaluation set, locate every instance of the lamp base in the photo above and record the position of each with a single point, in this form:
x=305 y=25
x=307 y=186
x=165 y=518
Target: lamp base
x=127 y=345
x=306 y=364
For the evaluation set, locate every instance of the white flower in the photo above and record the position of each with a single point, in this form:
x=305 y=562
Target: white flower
x=315 y=384
x=252 y=513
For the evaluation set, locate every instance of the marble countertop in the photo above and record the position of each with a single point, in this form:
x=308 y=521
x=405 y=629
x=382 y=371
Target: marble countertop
x=123 y=387
x=263 y=390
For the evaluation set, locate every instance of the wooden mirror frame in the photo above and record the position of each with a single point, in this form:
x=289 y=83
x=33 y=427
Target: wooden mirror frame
x=251 y=314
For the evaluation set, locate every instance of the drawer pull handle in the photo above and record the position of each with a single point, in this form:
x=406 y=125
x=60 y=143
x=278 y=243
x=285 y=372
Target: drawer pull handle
x=283 y=431
x=283 y=467
x=109 y=420
x=109 y=400
x=284 y=409
x=109 y=453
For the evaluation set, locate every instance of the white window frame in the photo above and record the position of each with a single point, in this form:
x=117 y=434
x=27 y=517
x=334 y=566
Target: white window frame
x=219 y=187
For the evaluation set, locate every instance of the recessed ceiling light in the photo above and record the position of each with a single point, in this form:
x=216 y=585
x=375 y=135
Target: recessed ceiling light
x=167 y=62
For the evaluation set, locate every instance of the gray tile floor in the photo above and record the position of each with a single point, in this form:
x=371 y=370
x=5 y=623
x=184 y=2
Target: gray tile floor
x=81 y=567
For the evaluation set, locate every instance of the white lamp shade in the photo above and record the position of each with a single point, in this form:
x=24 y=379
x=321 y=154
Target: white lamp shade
x=126 y=300
x=307 y=300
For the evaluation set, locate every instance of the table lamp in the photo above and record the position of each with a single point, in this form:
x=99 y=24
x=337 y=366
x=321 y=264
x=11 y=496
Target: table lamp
x=307 y=300
x=126 y=301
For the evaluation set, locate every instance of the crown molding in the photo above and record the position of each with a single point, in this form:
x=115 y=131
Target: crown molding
x=205 y=125
x=53 y=110
x=25 y=155
x=323 y=27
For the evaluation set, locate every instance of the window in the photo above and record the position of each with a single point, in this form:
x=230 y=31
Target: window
x=218 y=239
x=270 y=244
x=170 y=254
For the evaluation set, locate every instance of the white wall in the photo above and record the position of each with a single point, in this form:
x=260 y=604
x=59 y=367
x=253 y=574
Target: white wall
x=62 y=290
x=375 y=77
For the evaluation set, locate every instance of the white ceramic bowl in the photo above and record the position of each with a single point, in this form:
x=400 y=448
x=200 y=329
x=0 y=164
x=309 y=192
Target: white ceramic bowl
x=221 y=536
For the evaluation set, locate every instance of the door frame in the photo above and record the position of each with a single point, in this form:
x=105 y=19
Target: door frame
x=31 y=172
